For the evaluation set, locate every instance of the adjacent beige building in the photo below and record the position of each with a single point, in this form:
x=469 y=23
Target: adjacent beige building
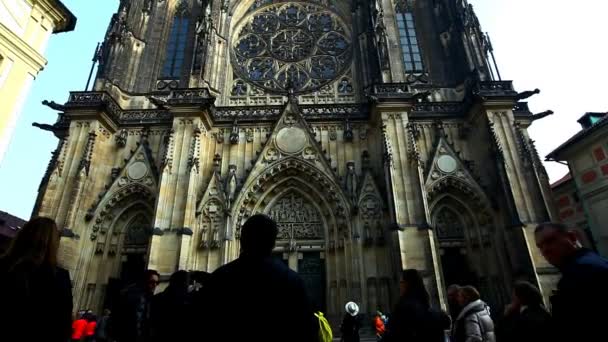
x=587 y=156
x=25 y=28
x=374 y=132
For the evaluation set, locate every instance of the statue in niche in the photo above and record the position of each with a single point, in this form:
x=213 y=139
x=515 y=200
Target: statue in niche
x=234 y=135
x=351 y=181
x=204 y=241
x=215 y=242
x=217 y=163
x=230 y=185
x=204 y=25
x=367 y=235
x=348 y=131
x=382 y=41
x=121 y=138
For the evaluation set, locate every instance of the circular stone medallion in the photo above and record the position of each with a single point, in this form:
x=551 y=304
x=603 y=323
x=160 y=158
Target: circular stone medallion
x=137 y=170
x=446 y=164
x=291 y=139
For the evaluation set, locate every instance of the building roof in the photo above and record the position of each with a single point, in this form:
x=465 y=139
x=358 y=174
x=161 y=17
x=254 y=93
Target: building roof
x=9 y=224
x=603 y=122
x=561 y=181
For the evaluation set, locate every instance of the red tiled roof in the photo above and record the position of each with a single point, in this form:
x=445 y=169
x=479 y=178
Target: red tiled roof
x=9 y=224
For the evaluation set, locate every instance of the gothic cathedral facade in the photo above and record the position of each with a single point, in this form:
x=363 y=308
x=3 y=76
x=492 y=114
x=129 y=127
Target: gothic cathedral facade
x=375 y=133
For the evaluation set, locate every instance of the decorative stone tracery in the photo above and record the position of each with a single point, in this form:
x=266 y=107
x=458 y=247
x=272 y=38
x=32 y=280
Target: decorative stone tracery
x=293 y=45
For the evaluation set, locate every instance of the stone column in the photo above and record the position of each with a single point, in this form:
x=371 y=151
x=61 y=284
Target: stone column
x=414 y=240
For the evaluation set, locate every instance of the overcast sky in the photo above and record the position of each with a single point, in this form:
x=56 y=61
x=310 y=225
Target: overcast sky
x=558 y=46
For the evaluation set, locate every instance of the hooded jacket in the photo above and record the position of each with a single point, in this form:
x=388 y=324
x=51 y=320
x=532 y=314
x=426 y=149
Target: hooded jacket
x=474 y=324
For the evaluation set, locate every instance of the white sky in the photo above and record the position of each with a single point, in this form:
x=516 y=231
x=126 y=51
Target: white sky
x=558 y=46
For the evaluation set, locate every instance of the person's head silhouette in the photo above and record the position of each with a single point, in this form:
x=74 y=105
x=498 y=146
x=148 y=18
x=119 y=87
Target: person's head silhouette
x=258 y=236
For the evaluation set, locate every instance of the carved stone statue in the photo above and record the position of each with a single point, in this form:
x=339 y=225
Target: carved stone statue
x=230 y=185
x=348 y=131
x=234 y=135
x=382 y=42
x=351 y=181
x=121 y=138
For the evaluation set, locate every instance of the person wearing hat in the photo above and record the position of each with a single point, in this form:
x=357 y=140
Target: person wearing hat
x=351 y=323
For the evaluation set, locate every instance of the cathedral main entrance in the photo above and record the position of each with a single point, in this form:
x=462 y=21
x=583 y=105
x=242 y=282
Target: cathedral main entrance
x=301 y=243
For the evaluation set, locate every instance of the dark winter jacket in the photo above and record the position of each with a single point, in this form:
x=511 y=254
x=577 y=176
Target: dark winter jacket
x=258 y=299
x=350 y=328
x=582 y=294
x=413 y=321
x=169 y=315
x=474 y=324
x=131 y=317
x=27 y=292
x=531 y=324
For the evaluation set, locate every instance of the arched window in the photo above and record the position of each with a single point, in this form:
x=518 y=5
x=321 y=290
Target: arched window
x=410 y=50
x=176 y=44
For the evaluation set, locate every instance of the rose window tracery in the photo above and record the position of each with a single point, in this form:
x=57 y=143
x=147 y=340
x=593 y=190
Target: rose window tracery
x=291 y=45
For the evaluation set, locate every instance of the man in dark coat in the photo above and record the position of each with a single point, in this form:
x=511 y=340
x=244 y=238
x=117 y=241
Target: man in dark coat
x=256 y=297
x=582 y=292
x=170 y=310
x=131 y=318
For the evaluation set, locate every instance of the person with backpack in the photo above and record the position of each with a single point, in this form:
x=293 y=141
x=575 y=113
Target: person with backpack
x=351 y=323
x=473 y=322
x=379 y=326
x=413 y=319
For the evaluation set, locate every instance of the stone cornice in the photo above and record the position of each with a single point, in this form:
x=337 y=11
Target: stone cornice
x=17 y=46
x=63 y=19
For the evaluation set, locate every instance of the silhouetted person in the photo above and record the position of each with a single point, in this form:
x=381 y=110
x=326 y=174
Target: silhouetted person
x=131 y=317
x=256 y=297
x=526 y=319
x=473 y=323
x=413 y=320
x=103 y=327
x=351 y=323
x=581 y=291
x=170 y=309
x=31 y=283
x=454 y=307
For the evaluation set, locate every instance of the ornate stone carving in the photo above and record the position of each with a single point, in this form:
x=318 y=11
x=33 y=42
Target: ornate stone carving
x=234 y=134
x=295 y=45
x=297 y=218
x=121 y=138
x=348 y=134
x=230 y=185
x=352 y=185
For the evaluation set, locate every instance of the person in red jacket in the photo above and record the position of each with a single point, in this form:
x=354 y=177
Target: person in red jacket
x=78 y=328
x=379 y=325
x=89 y=331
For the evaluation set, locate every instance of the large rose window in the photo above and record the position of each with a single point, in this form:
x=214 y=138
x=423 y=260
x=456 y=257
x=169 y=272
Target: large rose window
x=295 y=45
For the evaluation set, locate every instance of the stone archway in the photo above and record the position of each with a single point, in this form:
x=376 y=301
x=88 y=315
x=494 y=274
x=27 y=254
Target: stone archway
x=318 y=235
x=469 y=247
x=301 y=242
x=121 y=226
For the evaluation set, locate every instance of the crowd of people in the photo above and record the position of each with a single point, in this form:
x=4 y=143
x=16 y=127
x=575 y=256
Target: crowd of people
x=257 y=297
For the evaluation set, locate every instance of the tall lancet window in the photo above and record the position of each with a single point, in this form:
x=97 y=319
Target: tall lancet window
x=176 y=44
x=410 y=50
